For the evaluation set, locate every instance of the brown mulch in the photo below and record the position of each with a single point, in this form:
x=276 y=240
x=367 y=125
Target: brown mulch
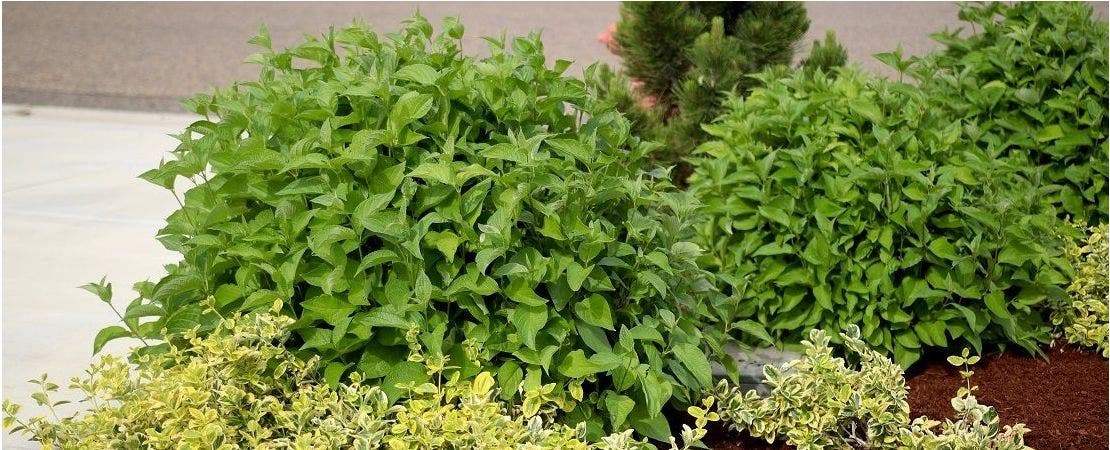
x=1063 y=401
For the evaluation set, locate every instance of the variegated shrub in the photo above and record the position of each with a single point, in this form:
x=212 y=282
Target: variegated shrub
x=1083 y=319
x=821 y=401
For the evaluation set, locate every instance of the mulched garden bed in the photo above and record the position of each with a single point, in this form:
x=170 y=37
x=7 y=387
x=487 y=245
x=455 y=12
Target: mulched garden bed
x=1064 y=401
x=720 y=438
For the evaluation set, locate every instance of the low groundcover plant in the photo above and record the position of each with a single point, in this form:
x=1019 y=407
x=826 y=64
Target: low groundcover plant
x=1083 y=317
x=821 y=401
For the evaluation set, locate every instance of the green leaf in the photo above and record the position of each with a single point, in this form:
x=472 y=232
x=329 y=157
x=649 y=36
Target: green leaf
x=520 y=291
x=905 y=357
x=143 y=310
x=654 y=426
x=618 y=406
x=942 y=248
x=657 y=392
x=387 y=179
x=184 y=319
x=410 y=106
x=373 y=203
x=907 y=339
x=968 y=315
x=1017 y=254
x=573 y=148
x=509 y=377
x=817 y=252
x=404 y=372
x=331 y=309
x=528 y=320
x=447 y=243
x=386 y=223
x=1050 y=133
x=333 y=372
x=996 y=303
x=440 y=172
x=775 y=214
x=108 y=334
x=654 y=281
x=506 y=152
x=301 y=186
x=696 y=362
x=595 y=311
x=486 y=256
x=755 y=329
x=309 y=161
x=419 y=73
x=576 y=275
x=160 y=177
x=645 y=333
x=658 y=259
x=576 y=365
x=102 y=290
x=890 y=59
x=383 y=317
x=594 y=337
x=772 y=249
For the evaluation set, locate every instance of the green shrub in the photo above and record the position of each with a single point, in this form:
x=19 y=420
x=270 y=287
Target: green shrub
x=1031 y=82
x=833 y=201
x=238 y=387
x=683 y=55
x=397 y=191
x=822 y=402
x=1083 y=318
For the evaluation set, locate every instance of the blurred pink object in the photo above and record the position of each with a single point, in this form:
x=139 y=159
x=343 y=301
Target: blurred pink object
x=645 y=101
x=606 y=37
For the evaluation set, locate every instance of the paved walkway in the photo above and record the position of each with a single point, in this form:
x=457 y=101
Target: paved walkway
x=74 y=211
x=146 y=56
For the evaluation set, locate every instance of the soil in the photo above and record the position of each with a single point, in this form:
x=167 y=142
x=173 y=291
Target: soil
x=1062 y=400
x=720 y=438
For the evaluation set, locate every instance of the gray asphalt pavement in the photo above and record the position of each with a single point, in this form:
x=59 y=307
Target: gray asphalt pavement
x=147 y=56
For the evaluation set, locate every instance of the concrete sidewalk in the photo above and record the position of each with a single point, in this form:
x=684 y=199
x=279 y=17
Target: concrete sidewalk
x=74 y=211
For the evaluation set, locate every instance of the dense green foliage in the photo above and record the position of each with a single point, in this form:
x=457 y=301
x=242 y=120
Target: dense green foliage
x=395 y=188
x=1031 y=82
x=463 y=249
x=821 y=401
x=1084 y=318
x=683 y=55
x=238 y=387
x=833 y=201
